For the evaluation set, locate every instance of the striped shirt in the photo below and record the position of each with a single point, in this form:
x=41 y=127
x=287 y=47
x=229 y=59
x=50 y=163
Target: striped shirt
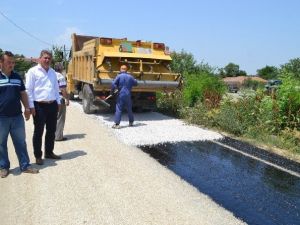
x=10 y=94
x=62 y=83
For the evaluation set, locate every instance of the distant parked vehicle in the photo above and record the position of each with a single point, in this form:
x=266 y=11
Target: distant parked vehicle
x=272 y=85
x=233 y=88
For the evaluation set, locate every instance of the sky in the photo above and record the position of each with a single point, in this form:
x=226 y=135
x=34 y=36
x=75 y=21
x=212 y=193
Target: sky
x=249 y=33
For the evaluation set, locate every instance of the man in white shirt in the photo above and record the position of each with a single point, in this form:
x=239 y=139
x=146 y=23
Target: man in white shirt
x=44 y=102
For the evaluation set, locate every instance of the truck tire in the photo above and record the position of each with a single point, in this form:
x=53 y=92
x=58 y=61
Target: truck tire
x=71 y=96
x=87 y=100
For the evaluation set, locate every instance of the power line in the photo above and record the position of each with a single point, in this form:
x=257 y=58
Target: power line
x=26 y=32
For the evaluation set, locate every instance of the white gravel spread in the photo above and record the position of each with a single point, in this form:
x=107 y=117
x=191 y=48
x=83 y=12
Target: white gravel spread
x=154 y=128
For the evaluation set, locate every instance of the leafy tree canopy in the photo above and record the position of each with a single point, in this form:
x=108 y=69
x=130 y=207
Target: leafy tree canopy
x=60 y=55
x=292 y=67
x=22 y=65
x=268 y=72
x=185 y=64
x=231 y=70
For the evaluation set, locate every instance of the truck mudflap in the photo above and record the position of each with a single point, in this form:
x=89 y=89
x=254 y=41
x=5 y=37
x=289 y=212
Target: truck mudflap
x=148 y=84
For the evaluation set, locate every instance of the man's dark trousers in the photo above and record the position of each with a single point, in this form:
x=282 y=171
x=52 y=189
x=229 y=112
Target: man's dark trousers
x=46 y=114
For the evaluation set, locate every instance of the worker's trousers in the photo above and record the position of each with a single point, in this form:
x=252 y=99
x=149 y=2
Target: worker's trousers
x=123 y=102
x=61 y=118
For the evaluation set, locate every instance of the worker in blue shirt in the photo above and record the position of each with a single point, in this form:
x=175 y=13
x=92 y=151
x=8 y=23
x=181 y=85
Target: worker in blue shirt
x=124 y=83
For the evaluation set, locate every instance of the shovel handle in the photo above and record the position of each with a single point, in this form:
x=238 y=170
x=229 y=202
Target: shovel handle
x=108 y=97
x=116 y=91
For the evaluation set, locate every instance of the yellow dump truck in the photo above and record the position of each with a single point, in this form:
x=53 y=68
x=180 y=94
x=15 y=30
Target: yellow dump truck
x=96 y=61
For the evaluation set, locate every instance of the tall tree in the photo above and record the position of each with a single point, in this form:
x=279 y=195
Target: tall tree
x=185 y=64
x=231 y=70
x=60 y=55
x=22 y=64
x=293 y=67
x=268 y=72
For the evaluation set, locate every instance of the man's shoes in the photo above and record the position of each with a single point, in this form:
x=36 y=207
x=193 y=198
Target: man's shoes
x=39 y=161
x=63 y=139
x=52 y=156
x=116 y=126
x=31 y=170
x=131 y=124
x=4 y=173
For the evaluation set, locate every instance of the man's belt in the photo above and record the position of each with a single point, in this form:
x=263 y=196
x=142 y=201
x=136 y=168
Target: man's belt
x=45 y=102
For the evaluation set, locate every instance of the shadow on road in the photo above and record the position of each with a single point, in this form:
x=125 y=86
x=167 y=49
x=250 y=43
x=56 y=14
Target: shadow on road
x=74 y=136
x=72 y=155
x=51 y=162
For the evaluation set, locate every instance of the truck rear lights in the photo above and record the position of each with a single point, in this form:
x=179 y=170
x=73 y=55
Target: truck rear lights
x=105 y=41
x=159 y=46
x=151 y=98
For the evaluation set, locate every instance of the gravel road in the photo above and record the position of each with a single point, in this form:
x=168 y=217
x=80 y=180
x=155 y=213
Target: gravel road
x=104 y=179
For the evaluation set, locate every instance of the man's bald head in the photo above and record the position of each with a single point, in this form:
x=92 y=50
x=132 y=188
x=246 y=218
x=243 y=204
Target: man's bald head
x=123 y=68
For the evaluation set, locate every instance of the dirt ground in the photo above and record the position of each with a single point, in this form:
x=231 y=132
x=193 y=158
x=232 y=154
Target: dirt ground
x=100 y=180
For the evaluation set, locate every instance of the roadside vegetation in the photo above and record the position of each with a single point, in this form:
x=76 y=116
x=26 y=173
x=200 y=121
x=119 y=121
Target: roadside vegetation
x=268 y=118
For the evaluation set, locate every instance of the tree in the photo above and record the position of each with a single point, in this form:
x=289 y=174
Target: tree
x=60 y=55
x=185 y=64
x=231 y=70
x=242 y=73
x=22 y=64
x=293 y=67
x=268 y=72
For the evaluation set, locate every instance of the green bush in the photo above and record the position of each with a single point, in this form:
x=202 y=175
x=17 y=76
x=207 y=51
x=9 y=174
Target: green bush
x=288 y=98
x=290 y=140
x=231 y=117
x=169 y=103
x=199 y=114
x=203 y=87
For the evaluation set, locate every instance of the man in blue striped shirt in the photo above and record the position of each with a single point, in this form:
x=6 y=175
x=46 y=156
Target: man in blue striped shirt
x=12 y=91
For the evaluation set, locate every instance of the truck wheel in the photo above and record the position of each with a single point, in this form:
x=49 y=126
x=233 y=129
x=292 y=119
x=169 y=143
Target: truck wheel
x=71 y=96
x=87 y=100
